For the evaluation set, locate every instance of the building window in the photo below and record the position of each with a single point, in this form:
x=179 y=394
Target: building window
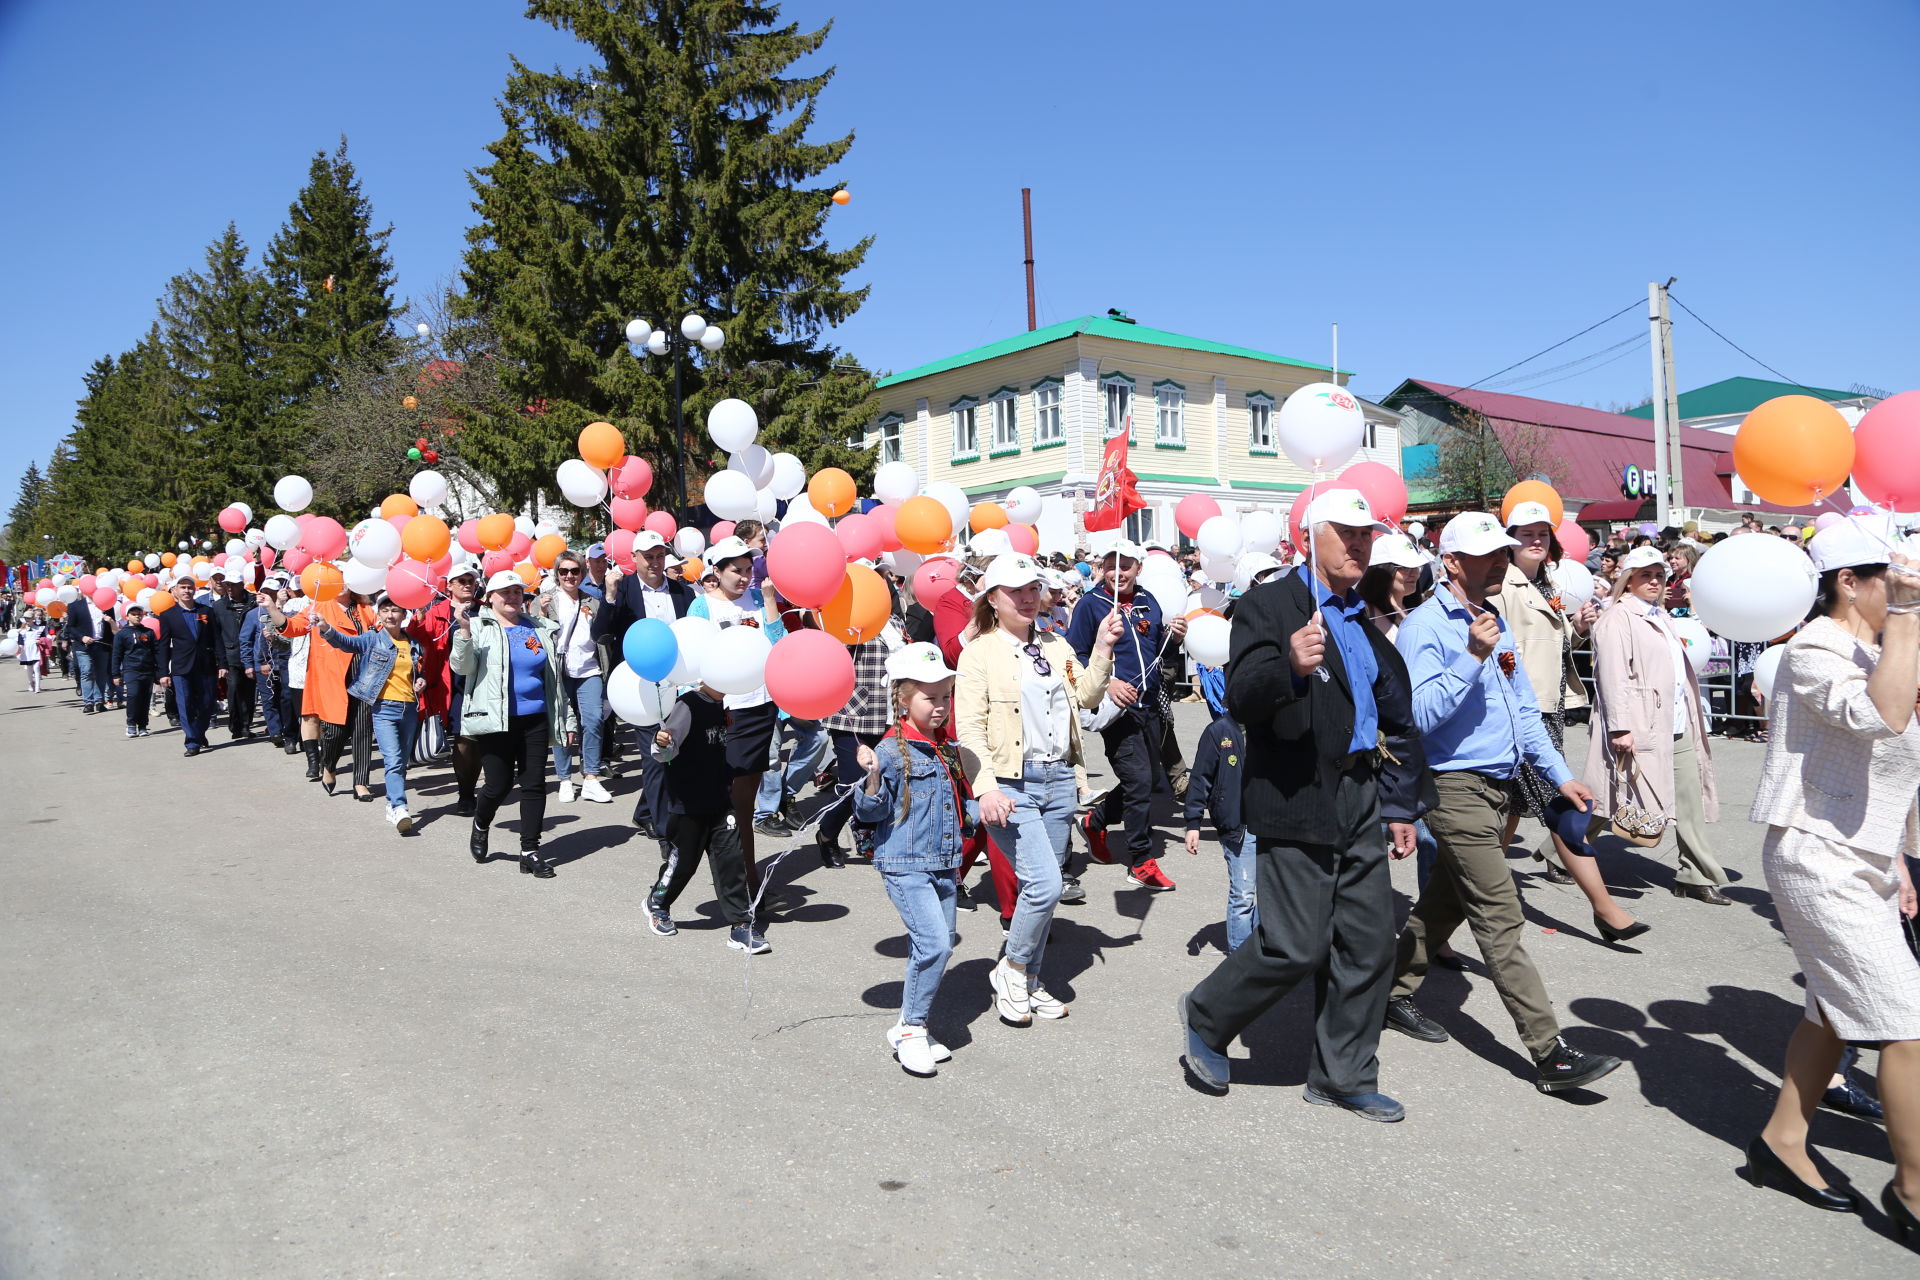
x=1370 y=439
x=1006 y=422
x=1169 y=415
x=888 y=449
x=1118 y=389
x=1049 y=417
x=966 y=430
x=1139 y=525
x=1260 y=424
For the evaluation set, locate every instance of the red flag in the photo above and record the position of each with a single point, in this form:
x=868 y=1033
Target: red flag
x=1117 y=495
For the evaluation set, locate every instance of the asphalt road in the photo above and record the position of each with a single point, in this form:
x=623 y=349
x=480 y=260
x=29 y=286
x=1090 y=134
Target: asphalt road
x=248 y=1031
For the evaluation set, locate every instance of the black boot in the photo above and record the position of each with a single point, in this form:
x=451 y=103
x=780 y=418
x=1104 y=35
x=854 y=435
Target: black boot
x=477 y=843
x=312 y=747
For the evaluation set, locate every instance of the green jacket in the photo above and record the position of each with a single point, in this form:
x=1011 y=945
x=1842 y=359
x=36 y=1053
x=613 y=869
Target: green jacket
x=482 y=658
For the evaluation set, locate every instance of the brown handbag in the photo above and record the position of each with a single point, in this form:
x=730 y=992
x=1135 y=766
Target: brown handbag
x=1633 y=822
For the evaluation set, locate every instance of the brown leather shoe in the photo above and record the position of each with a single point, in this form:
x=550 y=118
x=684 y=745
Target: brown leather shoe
x=1702 y=893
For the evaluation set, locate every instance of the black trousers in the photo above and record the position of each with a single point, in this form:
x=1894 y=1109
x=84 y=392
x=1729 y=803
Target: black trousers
x=358 y=731
x=651 y=805
x=717 y=835
x=846 y=771
x=1133 y=749
x=1326 y=914
x=522 y=752
x=137 y=691
x=240 y=687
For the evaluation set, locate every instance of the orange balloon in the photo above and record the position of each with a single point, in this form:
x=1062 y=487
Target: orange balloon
x=322 y=581
x=841 y=196
x=529 y=574
x=494 y=532
x=832 y=493
x=987 y=515
x=1794 y=450
x=426 y=538
x=203 y=559
x=162 y=601
x=398 y=504
x=859 y=609
x=135 y=566
x=132 y=587
x=692 y=570
x=923 y=524
x=548 y=549
x=409 y=402
x=167 y=559
x=601 y=445
x=56 y=610
x=1534 y=491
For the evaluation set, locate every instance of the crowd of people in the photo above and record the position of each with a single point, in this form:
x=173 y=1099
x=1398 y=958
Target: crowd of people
x=1385 y=697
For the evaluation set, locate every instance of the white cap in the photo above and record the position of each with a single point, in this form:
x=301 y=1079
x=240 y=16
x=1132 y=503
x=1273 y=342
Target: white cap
x=1341 y=506
x=1396 y=550
x=921 y=662
x=1641 y=558
x=647 y=540
x=1474 y=533
x=1128 y=550
x=464 y=569
x=1254 y=568
x=1012 y=570
x=503 y=579
x=722 y=551
x=1851 y=542
x=1529 y=513
x=989 y=542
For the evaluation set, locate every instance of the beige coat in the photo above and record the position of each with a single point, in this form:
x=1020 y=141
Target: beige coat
x=1540 y=633
x=1633 y=687
x=986 y=703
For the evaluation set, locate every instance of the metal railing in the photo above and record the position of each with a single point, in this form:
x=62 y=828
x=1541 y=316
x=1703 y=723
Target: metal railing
x=1719 y=690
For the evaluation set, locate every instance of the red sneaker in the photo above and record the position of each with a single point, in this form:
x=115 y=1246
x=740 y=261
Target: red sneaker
x=1096 y=840
x=1148 y=875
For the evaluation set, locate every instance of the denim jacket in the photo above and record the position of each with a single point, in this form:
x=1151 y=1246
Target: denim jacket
x=928 y=838
x=370 y=670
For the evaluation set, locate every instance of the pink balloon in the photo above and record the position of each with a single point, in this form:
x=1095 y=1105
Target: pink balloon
x=1194 y=510
x=296 y=560
x=468 y=536
x=721 y=530
x=494 y=562
x=1827 y=520
x=1886 y=463
x=520 y=547
x=933 y=579
x=103 y=597
x=304 y=519
x=808 y=563
x=1024 y=538
x=809 y=673
x=399 y=521
x=663 y=523
x=1574 y=541
x=620 y=548
x=442 y=567
x=410 y=583
x=324 y=538
x=267 y=556
x=1296 y=514
x=151 y=579
x=151 y=623
x=233 y=520
x=220 y=558
x=1385 y=491
x=631 y=478
x=87 y=584
x=860 y=535
x=884 y=515
x=629 y=513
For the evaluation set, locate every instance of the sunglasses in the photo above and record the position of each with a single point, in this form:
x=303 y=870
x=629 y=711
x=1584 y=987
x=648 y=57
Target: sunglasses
x=1041 y=667
x=569 y=573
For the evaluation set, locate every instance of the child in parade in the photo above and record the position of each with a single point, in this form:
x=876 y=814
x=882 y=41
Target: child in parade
x=1213 y=791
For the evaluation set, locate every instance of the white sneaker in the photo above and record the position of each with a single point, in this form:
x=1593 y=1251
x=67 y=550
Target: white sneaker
x=1043 y=1004
x=940 y=1052
x=914 y=1048
x=566 y=791
x=1010 y=999
x=592 y=790
x=402 y=820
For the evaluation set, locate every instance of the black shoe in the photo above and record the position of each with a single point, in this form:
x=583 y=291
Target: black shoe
x=191 y=751
x=536 y=866
x=1899 y=1217
x=646 y=830
x=773 y=828
x=1568 y=1068
x=477 y=844
x=463 y=807
x=291 y=746
x=328 y=784
x=1849 y=1099
x=1702 y=893
x=962 y=900
x=1765 y=1168
x=87 y=710
x=1612 y=934
x=830 y=855
x=1405 y=1017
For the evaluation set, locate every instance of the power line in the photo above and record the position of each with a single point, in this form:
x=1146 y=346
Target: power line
x=1553 y=369
x=1736 y=346
x=1635 y=344
x=1556 y=346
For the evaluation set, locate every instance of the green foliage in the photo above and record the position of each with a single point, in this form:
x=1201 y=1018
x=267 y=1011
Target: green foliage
x=1474 y=464
x=22 y=531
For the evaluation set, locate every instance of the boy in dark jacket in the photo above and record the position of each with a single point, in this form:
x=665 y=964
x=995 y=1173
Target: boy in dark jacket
x=691 y=744
x=1214 y=784
x=136 y=652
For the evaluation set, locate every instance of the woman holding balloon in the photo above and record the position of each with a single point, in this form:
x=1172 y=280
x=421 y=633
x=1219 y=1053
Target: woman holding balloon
x=341 y=718
x=572 y=610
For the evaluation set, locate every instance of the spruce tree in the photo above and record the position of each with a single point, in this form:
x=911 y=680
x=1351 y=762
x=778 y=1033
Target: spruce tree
x=672 y=175
x=23 y=518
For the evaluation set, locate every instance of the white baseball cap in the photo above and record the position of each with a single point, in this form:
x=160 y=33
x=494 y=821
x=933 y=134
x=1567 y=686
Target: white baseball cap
x=989 y=542
x=1128 y=550
x=1474 y=533
x=504 y=579
x=720 y=552
x=1012 y=570
x=1642 y=558
x=1396 y=550
x=1851 y=542
x=921 y=662
x=647 y=540
x=1529 y=513
x=464 y=569
x=1343 y=507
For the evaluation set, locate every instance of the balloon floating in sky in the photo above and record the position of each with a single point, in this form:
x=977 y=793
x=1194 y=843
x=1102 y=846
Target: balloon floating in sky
x=842 y=196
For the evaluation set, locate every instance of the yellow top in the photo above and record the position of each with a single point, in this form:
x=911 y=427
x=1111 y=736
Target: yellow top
x=399 y=684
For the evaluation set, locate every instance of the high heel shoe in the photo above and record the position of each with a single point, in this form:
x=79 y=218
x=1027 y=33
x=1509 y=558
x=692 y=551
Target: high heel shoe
x=327 y=784
x=1899 y=1217
x=536 y=866
x=477 y=843
x=1765 y=1168
x=1612 y=934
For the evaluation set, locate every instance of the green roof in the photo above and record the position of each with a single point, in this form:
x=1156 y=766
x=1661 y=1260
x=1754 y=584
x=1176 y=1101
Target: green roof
x=1099 y=327
x=1738 y=395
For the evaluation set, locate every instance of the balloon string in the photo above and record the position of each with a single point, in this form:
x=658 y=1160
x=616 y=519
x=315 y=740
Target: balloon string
x=1313 y=552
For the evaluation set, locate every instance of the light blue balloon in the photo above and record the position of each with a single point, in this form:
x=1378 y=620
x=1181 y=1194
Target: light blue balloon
x=650 y=649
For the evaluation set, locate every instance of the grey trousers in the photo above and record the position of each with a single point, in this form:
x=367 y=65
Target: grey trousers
x=1326 y=914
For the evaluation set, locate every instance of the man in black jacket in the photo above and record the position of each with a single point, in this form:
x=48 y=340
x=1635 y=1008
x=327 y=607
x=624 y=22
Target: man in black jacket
x=190 y=661
x=134 y=651
x=648 y=592
x=231 y=603
x=1331 y=752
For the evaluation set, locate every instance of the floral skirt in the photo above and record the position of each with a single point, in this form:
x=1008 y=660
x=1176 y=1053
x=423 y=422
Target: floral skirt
x=1536 y=789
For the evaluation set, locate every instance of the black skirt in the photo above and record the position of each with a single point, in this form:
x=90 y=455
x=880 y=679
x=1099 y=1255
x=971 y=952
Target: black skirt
x=1536 y=789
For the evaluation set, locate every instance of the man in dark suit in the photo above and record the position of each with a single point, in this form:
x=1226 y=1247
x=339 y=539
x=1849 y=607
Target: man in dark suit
x=1331 y=753
x=190 y=658
x=231 y=604
x=89 y=630
x=648 y=592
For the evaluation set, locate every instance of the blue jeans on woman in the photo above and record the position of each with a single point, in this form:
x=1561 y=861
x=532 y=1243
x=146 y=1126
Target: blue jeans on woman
x=587 y=694
x=1036 y=835
x=1243 y=913
x=395 y=723
x=925 y=902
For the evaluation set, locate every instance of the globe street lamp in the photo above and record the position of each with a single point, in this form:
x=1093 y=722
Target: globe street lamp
x=644 y=339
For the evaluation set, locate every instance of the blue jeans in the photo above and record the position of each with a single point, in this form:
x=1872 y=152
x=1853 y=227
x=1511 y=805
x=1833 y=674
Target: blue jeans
x=1036 y=835
x=588 y=695
x=924 y=900
x=1243 y=913
x=86 y=675
x=394 y=725
x=776 y=787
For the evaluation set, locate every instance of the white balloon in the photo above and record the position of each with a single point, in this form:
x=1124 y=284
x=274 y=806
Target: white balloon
x=236 y=547
x=292 y=493
x=1168 y=589
x=730 y=495
x=1766 y=669
x=1220 y=538
x=638 y=702
x=1209 y=639
x=1260 y=530
x=427 y=488
x=363 y=577
x=688 y=543
x=580 y=484
x=9 y=647
x=1023 y=505
x=282 y=532
x=695 y=637
x=523 y=524
x=1320 y=426
x=789 y=477
x=152 y=561
x=895 y=482
x=1217 y=568
x=375 y=543
x=755 y=463
x=144 y=598
x=764 y=505
x=800 y=510
x=1695 y=639
x=423 y=329
x=1752 y=589
x=904 y=563
x=1251 y=565
x=203 y=572
x=60 y=580
x=66 y=594
x=1575 y=583
x=255 y=539
x=732 y=424
x=737 y=660
x=43 y=597
x=954 y=499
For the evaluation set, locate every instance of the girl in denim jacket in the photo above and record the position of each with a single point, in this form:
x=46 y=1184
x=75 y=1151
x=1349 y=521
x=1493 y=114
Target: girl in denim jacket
x=917 y=798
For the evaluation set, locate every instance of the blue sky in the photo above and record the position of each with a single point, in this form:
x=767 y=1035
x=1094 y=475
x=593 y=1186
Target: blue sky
x=1458 y=186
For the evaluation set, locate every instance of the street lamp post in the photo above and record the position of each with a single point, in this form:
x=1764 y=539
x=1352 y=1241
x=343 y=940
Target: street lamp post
x=644 y=339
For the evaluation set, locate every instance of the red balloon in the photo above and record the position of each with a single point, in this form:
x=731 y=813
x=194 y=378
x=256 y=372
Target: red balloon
x=496 y=562
x=267 y=556
x=468 y=535
x=630 y=478
x=1296 y=512
x=296 y=561
x=884 y=515
x=1025 y=538
x=1886 y=453
x=1383 y=488
x=410 y=583
x=152 y=623
x=808 y=563
x=934 y=579
x=430 y=456
x=521 y=546
x=1194 y=510
x=629 y=513
x=620 y=548
x=1574 y=542
x=663 y=523
x=809 y=673
x=103 y=597
x=859 y=535
x=722 y=530
x=233 y=520
x=324 y=538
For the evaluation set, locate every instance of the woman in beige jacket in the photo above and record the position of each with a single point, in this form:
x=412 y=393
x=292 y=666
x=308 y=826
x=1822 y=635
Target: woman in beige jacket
x=1016 y=709
x=1649 y=739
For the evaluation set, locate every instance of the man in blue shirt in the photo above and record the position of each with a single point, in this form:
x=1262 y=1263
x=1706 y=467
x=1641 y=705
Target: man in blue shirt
x=1478 y=716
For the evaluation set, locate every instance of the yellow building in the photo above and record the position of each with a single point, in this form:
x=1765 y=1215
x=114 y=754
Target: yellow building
x=1038 y=408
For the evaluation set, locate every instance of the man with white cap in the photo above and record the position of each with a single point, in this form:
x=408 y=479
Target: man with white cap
x=648 y=592
x=1477 y=713
x=232 y=602
x=1319 y=691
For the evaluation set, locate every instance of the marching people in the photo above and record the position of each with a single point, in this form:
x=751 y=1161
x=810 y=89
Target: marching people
x=863 y=722
x=231 y=602
x=648 y=592
x=189 y=663
x=136 y=652
x=88 y=630
x=386 y=677
x=572 y=610
x=341 y=718
x=27 y=633
x=446 y=688
x=1213 y=793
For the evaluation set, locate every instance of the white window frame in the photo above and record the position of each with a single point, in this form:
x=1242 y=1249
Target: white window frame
x=891 y=444
x=1049 y=412
x=1260 y=424
x=1169 y=415
x=965 y=410
x=1006 y=422
x=1138 y=526
x=1118 y=409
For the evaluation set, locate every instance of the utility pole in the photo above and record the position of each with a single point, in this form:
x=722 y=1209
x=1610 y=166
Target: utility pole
x=1676 y=466
x=1336 y=354
x=1026 y=223
x=1670 y=492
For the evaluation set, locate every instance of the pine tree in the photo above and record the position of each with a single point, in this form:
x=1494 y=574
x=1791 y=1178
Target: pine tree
x=23 y=519
x=672 y=175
